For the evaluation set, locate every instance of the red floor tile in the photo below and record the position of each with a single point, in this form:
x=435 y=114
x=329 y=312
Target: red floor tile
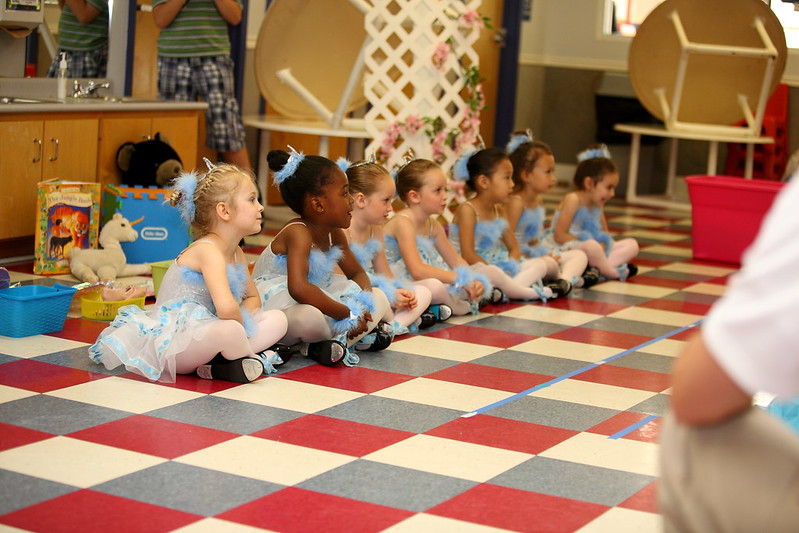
x=585 y=306
x=333 y=435
x=294 y=510
x=43 y=377
x=490 y=377
x=616 y=423
x=356 y=378
x=503 y=433
x=483 y=336
x=153 y=436
x=666 y=283
x=191 y=382
x=599 y=337
x=81 y=330
x=647 y=433
x=13 y=436
x=684 y=335
x=677 y=306
x=87 y=511
x=630 y=378
x=645 y=499
x=518 y=510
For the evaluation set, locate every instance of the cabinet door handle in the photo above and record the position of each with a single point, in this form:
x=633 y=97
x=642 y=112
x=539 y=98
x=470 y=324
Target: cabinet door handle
x=55 y=155
x=39 y=155
x=147 y=137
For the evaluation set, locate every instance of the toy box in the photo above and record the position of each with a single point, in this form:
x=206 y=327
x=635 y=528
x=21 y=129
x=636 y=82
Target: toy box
x=34 y=309
x=68 y=216
x=162 y=233
x=727 y=213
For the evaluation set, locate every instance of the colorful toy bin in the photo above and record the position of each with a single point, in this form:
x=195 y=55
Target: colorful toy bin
x=162 y=233
x=726 y=214
x=34 y=309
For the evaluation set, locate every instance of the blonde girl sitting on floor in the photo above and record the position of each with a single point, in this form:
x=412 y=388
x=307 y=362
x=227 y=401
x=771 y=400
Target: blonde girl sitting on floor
x=373 y=189
x=207 y=317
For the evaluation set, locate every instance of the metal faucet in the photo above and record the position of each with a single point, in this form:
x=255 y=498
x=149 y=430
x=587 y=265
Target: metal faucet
x=90 y=91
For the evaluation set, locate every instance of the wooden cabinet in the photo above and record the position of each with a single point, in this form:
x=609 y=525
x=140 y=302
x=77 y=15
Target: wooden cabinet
x=80 y=146
x=36 y=149
x=181 y=129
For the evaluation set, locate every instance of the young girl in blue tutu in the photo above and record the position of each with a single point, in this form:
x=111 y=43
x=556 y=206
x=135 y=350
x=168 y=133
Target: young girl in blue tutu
x=207 y=317
x=579 y=221
x=296 y=273
x=373 y=190
x=533 y=175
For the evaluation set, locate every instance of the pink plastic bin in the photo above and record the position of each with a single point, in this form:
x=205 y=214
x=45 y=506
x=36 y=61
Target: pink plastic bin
x=727 y=213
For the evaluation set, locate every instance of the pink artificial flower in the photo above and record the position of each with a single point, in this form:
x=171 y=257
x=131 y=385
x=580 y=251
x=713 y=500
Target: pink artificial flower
x=441 y=54
x=439 y=156
x=472 y=19
x=413 y=124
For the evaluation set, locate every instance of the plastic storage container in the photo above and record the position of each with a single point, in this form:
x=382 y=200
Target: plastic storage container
x=158 y=271
x=34 y=309
x=93 y=306
x=727 y=213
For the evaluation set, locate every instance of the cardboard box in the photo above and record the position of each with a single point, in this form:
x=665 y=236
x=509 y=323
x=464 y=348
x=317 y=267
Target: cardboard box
x=727 y=213
x=162 y=233
x=68 y=216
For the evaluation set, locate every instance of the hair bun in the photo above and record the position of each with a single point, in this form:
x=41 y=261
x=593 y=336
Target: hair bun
x=277 y=159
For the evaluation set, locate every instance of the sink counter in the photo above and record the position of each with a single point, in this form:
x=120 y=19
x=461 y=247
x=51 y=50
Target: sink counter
x=99 y=105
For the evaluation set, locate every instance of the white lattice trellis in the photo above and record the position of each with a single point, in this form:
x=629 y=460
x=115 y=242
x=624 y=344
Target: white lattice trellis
x=401 y=80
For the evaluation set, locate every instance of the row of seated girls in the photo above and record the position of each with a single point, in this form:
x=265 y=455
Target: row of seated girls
x=344 y=275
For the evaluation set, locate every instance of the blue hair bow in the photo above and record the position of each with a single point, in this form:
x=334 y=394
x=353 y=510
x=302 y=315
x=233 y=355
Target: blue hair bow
x=460 y=170
x=288 y=170
x=518 y=139
x=594 y=153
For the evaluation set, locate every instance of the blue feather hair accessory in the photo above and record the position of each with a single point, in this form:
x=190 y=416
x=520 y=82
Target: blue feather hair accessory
x=343 y=163
x=288 y=170
x=518 y=139
x=460 y=170
x=186 y=185
x=594 y=153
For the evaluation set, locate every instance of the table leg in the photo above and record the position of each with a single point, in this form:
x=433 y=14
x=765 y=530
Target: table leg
x=713 y=158
x=750 y=161
x=324 y=145
x=632 y=173
x=672 y=172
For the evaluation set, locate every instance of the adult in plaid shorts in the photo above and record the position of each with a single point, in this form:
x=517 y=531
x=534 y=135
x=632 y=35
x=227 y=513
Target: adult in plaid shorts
x=82 y=38
x=194 y=61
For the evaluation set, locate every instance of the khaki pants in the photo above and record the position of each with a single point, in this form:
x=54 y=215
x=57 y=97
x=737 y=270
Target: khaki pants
x=742 y=475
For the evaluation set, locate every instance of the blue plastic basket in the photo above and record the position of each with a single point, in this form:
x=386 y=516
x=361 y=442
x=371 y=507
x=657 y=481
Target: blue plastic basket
x=34 y=309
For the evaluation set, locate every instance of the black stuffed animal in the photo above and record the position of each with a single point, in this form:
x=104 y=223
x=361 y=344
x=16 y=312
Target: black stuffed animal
x=152 y=162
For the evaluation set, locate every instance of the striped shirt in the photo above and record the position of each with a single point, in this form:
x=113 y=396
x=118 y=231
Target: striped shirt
x=197 y=31
x=77 y=37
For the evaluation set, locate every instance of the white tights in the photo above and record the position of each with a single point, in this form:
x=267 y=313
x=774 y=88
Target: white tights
x=519 y=287
x=306 y=323
x=572 y=264
x=623 y=252
x=229 y=338
x=439 y=294
x=406 y=317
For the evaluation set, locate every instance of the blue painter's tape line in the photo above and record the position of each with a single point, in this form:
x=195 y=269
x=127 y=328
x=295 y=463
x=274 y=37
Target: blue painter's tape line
x=573 y=373
x=630 y=429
